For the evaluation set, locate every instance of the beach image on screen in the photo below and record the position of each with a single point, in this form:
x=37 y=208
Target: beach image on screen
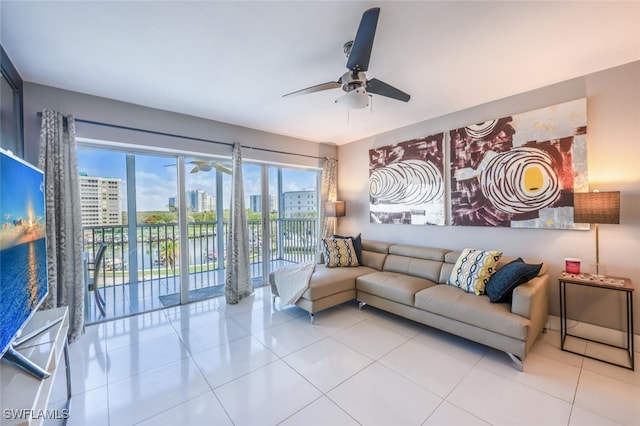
x=23 y=270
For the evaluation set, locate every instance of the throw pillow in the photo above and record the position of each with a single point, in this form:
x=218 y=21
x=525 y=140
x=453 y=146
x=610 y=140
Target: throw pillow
x=357 y=245
x=501 y=285
x=339 y=252
x=473 y=269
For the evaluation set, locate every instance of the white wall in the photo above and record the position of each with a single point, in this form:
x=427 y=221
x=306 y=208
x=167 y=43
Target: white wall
x=613 y=138
x=37 y=97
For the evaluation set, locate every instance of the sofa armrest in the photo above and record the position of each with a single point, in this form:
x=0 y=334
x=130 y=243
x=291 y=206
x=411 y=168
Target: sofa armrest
x=531 y=300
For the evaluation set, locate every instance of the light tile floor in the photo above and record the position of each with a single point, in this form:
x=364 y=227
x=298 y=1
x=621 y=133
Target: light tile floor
x=254 y=363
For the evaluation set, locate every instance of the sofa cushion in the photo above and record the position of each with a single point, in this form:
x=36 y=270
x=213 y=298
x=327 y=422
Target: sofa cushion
x=419 y=252
x=454 y=303
x=329 y=281
x=339 y=252
x=508 y=259
x=501 y=284
x=473 y=269
x=357 y=245
x=374 y=253
x=392 y=286
x=427 y=269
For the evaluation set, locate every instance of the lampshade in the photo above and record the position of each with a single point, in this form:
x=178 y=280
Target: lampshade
x=355 y=99
x=334 y=208
x=596 y=207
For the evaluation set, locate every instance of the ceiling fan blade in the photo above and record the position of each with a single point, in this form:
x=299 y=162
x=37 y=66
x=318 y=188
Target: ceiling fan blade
x=363 y=43
x=381 y=88
x=317 y=88
x=222 y=167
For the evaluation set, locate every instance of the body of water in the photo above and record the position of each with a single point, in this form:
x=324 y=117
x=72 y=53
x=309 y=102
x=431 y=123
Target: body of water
x=23 y=284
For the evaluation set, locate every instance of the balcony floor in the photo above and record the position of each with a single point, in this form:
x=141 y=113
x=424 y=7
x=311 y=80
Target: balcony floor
x=123 y=300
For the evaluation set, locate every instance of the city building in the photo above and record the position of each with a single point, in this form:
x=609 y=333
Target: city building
x=100 y=200
x=299 y=202
x=255 y=203
x=197 y=201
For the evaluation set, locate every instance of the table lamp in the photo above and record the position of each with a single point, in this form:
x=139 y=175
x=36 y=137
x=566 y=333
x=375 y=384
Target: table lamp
x=334 y=208
x=596 y=207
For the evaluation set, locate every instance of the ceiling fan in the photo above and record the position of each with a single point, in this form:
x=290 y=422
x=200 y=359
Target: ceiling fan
x=354 y=82
x=206 y=166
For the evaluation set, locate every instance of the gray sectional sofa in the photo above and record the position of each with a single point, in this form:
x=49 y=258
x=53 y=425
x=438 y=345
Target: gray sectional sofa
x=410 y=281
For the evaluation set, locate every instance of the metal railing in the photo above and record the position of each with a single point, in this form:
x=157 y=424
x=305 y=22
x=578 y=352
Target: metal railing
x=145 y=275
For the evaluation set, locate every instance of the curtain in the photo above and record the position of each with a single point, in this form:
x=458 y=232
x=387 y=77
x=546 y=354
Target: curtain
x=238 y=280
x=329 y=192
x=58 y=159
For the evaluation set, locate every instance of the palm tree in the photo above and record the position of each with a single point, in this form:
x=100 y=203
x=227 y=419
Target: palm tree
x=169 y=252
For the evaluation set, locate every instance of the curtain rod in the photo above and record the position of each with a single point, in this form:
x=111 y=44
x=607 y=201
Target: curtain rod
x=154 y=132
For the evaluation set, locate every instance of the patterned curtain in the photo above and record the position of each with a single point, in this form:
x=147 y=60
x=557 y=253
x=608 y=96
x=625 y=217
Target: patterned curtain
x=58 y=159
x=238 y=279
x=329 y=192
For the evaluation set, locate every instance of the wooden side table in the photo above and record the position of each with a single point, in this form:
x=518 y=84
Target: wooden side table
x=608 y=283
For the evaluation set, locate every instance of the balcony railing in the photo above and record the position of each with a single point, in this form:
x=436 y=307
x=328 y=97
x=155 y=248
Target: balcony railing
x=146 y=275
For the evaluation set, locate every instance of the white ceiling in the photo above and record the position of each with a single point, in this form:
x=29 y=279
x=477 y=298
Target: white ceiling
x=233 y=61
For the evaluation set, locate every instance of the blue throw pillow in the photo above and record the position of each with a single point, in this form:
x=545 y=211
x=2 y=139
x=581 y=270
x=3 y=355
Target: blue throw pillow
x=357 y=245
x=501 y=285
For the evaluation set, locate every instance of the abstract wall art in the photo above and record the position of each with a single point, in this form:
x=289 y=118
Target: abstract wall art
x=406 y=182
x=521 y=170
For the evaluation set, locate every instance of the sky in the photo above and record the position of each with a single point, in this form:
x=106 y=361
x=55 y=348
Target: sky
x=156 y=177
x=21 y=200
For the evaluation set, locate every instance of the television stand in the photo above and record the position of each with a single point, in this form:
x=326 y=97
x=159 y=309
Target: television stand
x=19 y=360
x=25 y=398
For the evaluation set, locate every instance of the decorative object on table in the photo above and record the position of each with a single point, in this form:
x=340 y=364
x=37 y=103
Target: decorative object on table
x=406 y=182
x=335 y=208
x=597 y=207
x=520 y=171
x=572 y=265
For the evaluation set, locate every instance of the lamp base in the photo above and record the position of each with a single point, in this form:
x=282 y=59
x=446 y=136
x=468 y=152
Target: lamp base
x=598 y=270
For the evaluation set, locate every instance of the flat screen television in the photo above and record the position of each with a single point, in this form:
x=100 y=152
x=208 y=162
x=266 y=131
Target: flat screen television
x=23 y=261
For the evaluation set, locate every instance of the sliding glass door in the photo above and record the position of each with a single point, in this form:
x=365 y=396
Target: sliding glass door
x=126 y=204
x=165 y=220
x=293 y=225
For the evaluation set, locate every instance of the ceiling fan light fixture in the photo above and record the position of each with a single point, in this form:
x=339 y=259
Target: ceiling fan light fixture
x=355 y=99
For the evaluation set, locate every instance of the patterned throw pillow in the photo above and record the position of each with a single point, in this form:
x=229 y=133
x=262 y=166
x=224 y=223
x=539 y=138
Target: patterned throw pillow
x=357 y=245
x=339 y=252
x=473 y=269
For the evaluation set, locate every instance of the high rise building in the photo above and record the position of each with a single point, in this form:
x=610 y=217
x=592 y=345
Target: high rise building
x=100 y=201
x=255 y=203
x=196 y=201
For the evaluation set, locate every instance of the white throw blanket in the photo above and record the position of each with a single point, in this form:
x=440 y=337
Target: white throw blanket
x=292 y=281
